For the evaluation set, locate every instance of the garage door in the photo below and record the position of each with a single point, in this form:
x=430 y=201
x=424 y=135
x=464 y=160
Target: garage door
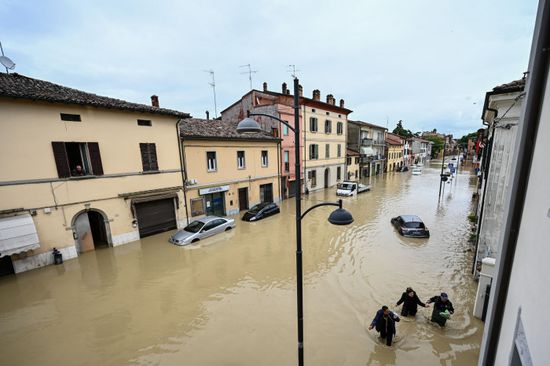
x=155 y=216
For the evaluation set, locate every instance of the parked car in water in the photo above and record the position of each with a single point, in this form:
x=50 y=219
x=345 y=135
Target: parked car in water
x=410 y=226
x=261 y=211
x=201 y=229
x=404 y=168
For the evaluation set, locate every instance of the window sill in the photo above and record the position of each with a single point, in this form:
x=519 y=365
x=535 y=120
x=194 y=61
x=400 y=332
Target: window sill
x=211 y=171
x=150 y=172
x=238 y=168
x=82 y=177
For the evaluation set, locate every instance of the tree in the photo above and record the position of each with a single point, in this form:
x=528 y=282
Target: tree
x=438 y=145
x=399 y=130
x=463 y=142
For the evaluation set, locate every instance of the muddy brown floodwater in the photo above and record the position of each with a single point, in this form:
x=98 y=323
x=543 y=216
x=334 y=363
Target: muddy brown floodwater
x=231 y=300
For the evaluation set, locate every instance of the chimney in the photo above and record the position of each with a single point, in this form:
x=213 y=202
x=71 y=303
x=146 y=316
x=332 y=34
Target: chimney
x=284 y=88
x=155 y=101
x=207 y=115
x=330 y=99
x=341 y=103
x=265 y=86
x=300 y=90
x=316 y=94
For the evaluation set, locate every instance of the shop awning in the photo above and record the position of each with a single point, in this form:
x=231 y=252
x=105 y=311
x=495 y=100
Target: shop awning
x=17 y=234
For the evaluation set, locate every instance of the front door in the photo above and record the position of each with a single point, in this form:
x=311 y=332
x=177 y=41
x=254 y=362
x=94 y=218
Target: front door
x=266 y=193
x=327 y=177
x=215 y=204
x=243 y=199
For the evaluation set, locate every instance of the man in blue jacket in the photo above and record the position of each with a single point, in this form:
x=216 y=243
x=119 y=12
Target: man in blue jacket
x=384 y=321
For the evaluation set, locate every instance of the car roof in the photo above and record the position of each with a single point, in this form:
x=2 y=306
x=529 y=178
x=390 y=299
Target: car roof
x=411 y=218
x=207 y=219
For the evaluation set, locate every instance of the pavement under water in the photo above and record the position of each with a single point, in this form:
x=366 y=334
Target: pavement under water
x=231 y=299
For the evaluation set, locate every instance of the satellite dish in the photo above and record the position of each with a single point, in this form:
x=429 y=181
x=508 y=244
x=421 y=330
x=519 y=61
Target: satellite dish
x=7 y=62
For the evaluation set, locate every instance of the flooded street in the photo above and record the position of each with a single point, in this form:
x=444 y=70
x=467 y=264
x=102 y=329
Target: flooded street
x=231 y=299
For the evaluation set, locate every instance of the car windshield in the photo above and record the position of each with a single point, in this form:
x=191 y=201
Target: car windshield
x=194 y=227
x=414 y=225
x=344 y=186
x=257 y=208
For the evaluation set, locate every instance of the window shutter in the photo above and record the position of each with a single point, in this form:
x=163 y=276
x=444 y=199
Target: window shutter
x=144 y=157
x=61 y=161
x=153 y=157
x=95 y=157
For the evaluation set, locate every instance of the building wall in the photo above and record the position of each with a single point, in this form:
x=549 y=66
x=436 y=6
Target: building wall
x=529 y=278
x=394 y=157
x=498 y=177
x=30 y=182
x=321 y=139
x=353 y=169
x=228 y=173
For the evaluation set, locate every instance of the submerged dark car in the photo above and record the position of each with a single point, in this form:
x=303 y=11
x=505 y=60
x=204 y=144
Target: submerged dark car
x=260 y=211
x=410 y=226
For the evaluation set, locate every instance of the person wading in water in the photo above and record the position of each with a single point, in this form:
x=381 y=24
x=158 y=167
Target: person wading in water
x=443 y=308
x=410 y=302
x=384 y=321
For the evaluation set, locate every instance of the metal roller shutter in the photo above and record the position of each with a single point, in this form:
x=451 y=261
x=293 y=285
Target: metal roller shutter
x=155 y=216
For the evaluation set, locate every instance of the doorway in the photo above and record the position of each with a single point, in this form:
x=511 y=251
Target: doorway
x=243 y=199
x=215 y=204
x=327 y=177
x=266 y=193
x=6 y=266
x=91 y=231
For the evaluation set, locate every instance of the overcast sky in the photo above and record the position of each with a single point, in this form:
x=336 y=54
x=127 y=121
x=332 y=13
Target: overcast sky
x=428 y=63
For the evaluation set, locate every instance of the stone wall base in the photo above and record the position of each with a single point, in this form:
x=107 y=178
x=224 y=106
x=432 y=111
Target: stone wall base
x=42 y=259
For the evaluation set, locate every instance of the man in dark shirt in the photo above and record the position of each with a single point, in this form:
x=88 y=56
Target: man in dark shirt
x=410 y=300
x=442 y=306
x=384 y=321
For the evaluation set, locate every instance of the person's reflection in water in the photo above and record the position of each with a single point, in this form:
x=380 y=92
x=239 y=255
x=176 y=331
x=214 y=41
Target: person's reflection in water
x=381 y=356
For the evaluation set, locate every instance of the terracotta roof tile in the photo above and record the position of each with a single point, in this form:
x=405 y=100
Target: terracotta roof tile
x=19 y=86
x=215 y=129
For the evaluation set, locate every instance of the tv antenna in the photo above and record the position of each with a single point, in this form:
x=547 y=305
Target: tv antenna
x=292 y=69
x=249 y=72
x=213 y=85
x=6 y=61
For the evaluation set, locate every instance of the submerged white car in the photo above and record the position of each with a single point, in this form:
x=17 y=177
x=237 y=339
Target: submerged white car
x=348 y=189
x=416 y=171
x=201 y=229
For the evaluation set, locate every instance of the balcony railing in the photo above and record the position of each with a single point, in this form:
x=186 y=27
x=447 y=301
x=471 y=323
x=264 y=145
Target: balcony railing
x=366 y=142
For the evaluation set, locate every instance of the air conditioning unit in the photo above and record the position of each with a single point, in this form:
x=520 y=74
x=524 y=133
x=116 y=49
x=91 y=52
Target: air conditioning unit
x=191 y=182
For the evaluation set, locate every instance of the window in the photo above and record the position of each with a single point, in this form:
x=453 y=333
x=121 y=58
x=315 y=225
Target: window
x=339 y=128
x=328 y=114
x=197 y=206
x=264 y=158
x=211 y=163
x=313 y=124
x=285 y=129
x=339 y=150
x=357 y=160
x=314 y=151
x=74 y=159
x=286 y=161
x=274 y=132
x=327 y=151
x=348 y=161
x=338 y=173
x=149 y=157
x=70 y=117
x=240 y=160
x=312 y=176
x=313 y=110
x=328 y=126
x=144 y=122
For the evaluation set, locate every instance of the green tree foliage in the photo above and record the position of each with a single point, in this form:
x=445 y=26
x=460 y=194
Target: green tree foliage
x=463 y=142
x=437 y=146
x=399 y=130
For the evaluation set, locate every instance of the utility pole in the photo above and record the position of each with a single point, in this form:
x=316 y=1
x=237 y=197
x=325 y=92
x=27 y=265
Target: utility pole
x=442 y=166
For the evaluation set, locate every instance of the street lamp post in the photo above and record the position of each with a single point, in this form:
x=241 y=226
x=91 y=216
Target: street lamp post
x=337 y=217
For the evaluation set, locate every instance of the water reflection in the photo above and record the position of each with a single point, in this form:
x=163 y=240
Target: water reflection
x=231 y=299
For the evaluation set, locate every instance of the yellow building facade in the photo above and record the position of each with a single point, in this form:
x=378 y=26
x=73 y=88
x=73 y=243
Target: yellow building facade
x=394 y=153
x=324 y=141
x=228 y=172
x=82 y=171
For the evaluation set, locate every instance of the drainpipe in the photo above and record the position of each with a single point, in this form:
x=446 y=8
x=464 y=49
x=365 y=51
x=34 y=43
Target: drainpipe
x=538 y=67
x=183 y=170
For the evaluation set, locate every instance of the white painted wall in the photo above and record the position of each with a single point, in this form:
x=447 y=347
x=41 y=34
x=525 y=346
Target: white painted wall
x=529 y=284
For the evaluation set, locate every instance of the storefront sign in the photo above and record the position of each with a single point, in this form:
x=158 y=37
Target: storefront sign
x=213 y=190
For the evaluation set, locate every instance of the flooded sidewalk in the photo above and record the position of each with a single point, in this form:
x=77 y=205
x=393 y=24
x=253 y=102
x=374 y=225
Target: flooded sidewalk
x=231 y=300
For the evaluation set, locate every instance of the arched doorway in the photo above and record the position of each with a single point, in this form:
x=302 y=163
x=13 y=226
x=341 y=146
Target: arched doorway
x=91 y=229
x=327 y=177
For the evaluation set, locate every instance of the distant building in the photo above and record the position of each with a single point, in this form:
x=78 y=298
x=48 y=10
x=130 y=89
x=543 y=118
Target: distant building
x=369 y=140
x=394 y=154
x=228 y=172
x=352 y=164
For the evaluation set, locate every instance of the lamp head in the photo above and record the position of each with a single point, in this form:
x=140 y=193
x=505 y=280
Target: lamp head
x=340 y=217
x=248 y=125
